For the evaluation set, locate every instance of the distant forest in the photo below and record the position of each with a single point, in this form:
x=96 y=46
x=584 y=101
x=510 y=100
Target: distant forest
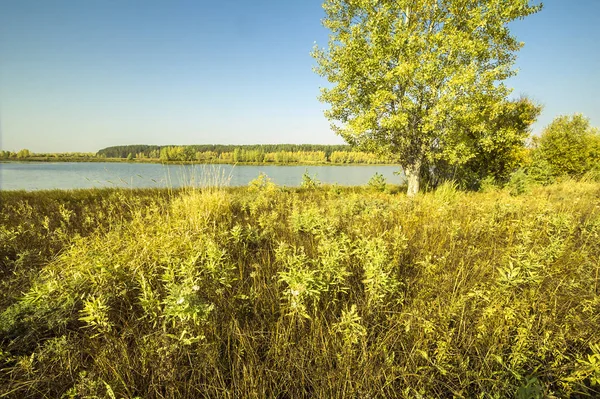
x=213 y=153
x=259 y=153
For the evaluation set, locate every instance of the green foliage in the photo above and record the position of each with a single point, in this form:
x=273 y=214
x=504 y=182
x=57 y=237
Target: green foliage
x=261 y=183
x=7 y=154
x=497 y=151
x=488 y=184
x=24 y=153
x=416 y=79
x=350 y=327
x=265 y=153
x=271 y=292
x=350 y=157
x=36 y=226
x=568 y=146
x=519 y=183
x=309 y=182
x=377 y=182
x=214 y=154
x=540 y=170
x=532 y=389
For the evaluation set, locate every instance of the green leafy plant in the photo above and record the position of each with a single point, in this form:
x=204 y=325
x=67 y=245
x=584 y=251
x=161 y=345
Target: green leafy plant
x=377 y=182
x=309 y=182
x=568 y=146
x=519 y=183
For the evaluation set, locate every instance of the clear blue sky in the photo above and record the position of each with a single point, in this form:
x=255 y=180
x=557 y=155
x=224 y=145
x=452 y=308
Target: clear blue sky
x=82 y=75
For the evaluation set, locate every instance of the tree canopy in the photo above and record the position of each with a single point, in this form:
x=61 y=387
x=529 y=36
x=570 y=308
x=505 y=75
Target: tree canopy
x=569 y=146
x=412 y=79
x=495 y=153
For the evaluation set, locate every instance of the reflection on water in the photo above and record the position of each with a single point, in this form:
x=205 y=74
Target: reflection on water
x=71 y=175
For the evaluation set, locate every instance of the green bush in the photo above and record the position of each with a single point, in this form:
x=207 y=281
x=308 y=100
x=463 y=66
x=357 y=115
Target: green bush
x=568 y=146
x=540 y=171
x=308 y=181
x=519 y=183
x=377 y=183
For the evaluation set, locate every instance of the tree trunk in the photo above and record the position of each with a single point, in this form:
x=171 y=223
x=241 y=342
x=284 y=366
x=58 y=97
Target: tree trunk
x=413 y=178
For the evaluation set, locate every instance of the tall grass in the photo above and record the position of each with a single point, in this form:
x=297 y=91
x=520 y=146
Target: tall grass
x=318 y=292
x=36 y=226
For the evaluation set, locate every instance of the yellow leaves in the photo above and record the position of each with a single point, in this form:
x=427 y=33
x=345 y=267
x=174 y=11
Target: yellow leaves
x=397 y=122
x=382 y=97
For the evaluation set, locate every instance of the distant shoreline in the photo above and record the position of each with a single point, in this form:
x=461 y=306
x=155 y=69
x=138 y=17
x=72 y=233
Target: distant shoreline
x=259 y=154
x=158 y=161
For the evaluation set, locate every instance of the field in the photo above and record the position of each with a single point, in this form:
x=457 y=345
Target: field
x=315 y=292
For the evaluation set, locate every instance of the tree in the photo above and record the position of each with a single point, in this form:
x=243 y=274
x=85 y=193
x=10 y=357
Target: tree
x=409 y=77
x=569 y=146
x=24 y=153
x=496 y=152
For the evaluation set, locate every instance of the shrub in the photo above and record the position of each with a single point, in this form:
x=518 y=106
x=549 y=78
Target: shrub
x=261 y=183
x=308 y=181
x=377 y=183
x=568 y=146
x=519 y=183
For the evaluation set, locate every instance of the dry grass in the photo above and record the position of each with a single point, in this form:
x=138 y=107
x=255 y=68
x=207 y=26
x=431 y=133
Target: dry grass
x=316 y=292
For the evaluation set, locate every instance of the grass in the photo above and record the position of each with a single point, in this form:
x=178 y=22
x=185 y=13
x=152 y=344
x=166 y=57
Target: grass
x=318 y=291
x=37 y=226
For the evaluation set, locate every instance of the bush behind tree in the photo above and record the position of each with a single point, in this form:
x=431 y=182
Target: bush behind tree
x=495 y=153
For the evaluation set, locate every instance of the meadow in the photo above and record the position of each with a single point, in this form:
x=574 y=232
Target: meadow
x=311 y=292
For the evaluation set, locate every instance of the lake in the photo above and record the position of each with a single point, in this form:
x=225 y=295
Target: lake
x=73 y=175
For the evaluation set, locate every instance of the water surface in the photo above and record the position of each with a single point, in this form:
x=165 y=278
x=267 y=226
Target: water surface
x=73 y=175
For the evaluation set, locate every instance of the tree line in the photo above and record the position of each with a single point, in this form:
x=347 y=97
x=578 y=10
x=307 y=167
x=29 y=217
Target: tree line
x=569 y=146
x=215 y=153
x=25 y=154
x=259 y=153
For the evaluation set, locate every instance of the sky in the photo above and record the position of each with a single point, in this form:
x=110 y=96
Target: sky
x=83 y=75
